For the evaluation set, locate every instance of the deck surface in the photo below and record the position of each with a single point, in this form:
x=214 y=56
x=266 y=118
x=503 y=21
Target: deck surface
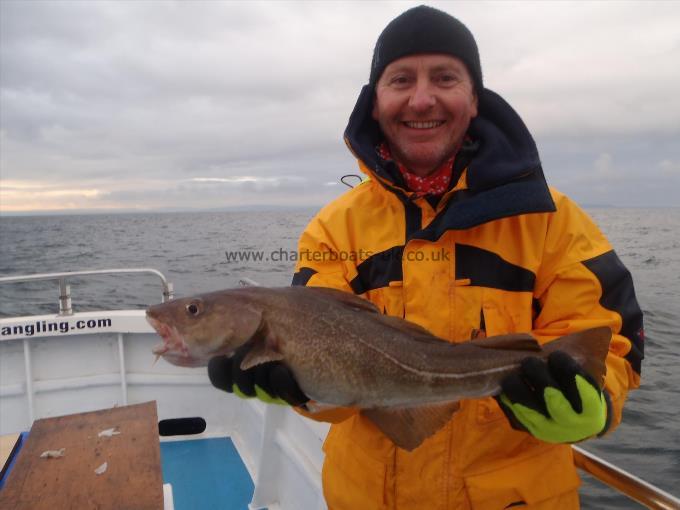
x=132 y=480
x=206 y=474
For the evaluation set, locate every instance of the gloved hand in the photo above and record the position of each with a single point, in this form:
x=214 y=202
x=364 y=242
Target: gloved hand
x=557 y=401
x=271 y=382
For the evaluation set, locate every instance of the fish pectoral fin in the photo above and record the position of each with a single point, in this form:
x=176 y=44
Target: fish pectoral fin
x=263 y=350
x=514 y=342
x=409 y=427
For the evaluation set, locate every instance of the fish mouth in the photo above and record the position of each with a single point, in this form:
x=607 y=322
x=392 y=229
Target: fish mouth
x=173 y=348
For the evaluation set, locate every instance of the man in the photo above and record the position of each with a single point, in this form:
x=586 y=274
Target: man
x=466 y=239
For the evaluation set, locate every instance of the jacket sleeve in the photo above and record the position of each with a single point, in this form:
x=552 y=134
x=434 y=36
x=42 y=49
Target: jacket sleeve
x=582 y=284
x=320 y=264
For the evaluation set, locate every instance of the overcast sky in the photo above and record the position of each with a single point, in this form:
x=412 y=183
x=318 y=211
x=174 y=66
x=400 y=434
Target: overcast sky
x=151 y=104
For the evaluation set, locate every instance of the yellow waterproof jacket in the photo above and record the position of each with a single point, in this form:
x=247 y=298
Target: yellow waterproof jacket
x=499 y=252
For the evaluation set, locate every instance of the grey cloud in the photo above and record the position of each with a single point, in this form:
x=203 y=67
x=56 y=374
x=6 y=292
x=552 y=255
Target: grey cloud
x=106 y=95
x=229 y=194
x=631 y=170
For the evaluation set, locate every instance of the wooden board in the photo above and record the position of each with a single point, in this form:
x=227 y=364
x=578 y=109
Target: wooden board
x=8 y=443
x=133 y=480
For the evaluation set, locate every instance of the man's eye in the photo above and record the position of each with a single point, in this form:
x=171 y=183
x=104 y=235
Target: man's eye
x=448 y=78
x=399 y=80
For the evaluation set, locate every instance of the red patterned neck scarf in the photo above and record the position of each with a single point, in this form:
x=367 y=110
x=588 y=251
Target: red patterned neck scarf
x=436 y=184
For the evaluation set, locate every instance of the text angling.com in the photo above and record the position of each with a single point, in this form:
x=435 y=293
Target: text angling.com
x=29 y=329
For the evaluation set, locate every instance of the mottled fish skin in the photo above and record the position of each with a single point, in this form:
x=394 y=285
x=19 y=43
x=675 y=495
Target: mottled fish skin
x=343 y=352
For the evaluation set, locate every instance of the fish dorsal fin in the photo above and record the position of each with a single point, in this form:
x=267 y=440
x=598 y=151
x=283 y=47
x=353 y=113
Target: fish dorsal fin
x=409 y=427
x=346 y=298
x=264 y=349
x=514 y=342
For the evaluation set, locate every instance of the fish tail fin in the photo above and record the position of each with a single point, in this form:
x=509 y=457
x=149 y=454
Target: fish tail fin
x=589 y=348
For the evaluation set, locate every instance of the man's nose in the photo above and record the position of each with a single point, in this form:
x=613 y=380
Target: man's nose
x=422 y=97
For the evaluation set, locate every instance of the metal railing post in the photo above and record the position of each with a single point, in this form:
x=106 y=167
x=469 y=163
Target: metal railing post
x=64 y=298
x=123 y=375
x=168 y=292
x=28 y=371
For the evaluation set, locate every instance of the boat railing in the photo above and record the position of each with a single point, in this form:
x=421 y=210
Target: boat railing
x=65 y=305
x=626 y=483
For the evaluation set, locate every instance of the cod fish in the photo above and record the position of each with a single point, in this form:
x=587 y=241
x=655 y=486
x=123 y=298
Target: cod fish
x=343 y=352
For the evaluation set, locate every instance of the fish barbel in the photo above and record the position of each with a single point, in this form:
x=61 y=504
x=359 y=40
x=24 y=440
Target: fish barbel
x=344 y=352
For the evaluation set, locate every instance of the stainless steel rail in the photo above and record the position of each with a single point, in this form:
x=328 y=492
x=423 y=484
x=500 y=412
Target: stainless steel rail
x=624 y=482
x=65 y=289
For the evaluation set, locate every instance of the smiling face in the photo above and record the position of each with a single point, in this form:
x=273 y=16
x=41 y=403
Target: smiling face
x=424 y=105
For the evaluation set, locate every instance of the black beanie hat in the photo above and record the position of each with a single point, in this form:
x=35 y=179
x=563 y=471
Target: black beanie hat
x=425 y=29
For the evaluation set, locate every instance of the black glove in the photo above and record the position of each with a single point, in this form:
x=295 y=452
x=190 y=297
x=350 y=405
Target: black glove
x=271 y=382
x=556 y=401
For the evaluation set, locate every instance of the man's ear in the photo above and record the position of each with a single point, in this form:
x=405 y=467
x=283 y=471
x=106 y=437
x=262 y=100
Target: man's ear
x=475 y=104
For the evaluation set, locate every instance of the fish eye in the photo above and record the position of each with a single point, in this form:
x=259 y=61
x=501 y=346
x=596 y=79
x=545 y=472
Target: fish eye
x=194 y=308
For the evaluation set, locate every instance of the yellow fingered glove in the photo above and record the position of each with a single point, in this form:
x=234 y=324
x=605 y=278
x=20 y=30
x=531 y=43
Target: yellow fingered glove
x=557 y=401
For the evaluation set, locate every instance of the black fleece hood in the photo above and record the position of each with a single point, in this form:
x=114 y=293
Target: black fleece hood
x=504 y=173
